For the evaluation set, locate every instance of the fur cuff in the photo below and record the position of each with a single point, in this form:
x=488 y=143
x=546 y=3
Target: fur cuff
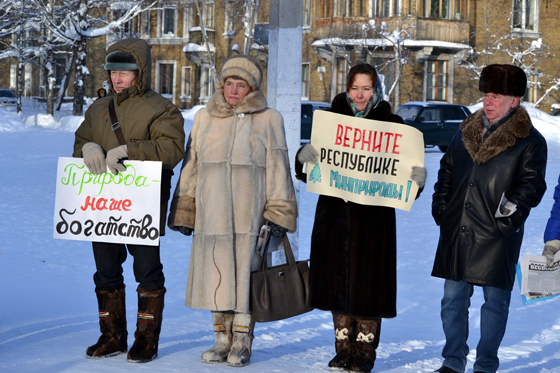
x=182 y=213
x=283 y=213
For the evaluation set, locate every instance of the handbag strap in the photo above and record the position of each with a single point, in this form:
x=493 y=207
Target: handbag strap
x=290 y=259
x=115 y=125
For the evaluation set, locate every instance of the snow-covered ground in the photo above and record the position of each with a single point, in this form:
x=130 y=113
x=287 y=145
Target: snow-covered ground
x=48 y=313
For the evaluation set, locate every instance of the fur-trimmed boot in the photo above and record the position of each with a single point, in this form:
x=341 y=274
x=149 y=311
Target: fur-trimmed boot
x=112 y=323
x=345 y=335
x=240 y=354
x=148 y=326
x=223 y=323
x=367 y=341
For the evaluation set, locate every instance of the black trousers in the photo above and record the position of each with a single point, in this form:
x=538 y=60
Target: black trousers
x=109 y=257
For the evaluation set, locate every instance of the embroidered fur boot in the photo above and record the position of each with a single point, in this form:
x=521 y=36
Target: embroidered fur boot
x=148 y=326
x=367 y=341
x=240 y=353
x=112 y=323
x=223 y=323
x=344 y=328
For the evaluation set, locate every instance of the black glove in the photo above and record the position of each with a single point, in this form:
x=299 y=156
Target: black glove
x=185 y=230
x=276 y=230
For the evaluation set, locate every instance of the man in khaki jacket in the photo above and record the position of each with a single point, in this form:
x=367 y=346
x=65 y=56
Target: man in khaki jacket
x=152 y=130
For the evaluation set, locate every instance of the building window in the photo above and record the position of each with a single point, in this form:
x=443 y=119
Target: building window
x=340 y=76
x=525 y=15
x=166 y=79
x=209 y=15
x=186 y=82
x=206 y=83
x=145 y=24
x=305 y=81
x=438 y=9
x=386 y=8
x=324 y=9
x=230 y=24
x=127 y=29
x=168 y=21
x=187 y=20
x=13 y=76
x=59 y=69
x=531 y=93
x=386 y=69
x=436 y=80
x=306 y=13
x=341 y=8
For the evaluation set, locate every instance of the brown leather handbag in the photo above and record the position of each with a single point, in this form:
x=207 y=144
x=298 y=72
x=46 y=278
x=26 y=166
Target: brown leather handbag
x=281 y=291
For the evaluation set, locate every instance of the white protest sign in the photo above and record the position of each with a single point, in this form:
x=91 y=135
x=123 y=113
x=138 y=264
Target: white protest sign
x=365 y=161
x=122 y=208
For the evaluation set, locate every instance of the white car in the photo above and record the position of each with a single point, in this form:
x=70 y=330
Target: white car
x=7 y=97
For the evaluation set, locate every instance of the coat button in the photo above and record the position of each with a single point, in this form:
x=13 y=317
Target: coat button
x=463 y=229
x=467 y=205
x=471 y=183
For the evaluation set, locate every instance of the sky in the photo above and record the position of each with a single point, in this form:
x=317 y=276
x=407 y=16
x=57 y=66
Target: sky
x=49 y=313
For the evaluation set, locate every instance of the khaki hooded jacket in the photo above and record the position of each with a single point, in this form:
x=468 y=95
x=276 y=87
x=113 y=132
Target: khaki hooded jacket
x=151 y=124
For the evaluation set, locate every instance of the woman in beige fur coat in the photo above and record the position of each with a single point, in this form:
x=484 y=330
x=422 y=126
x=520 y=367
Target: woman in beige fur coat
x=236 y=176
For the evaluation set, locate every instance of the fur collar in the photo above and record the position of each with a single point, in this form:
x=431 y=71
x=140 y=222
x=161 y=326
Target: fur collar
x=253 y=102
x=517 y=127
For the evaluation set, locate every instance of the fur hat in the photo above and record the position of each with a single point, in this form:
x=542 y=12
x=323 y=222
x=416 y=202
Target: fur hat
x=508 y=80
x=120 y=60
x=244 y=67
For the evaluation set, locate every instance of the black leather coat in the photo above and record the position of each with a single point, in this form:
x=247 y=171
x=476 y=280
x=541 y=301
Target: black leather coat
x=475 y=246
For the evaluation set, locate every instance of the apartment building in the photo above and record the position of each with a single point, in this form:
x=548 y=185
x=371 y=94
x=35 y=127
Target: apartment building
x=425 y=50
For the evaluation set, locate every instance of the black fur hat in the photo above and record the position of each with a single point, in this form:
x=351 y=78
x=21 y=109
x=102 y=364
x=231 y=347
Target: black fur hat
x=508 y=80
x=120 y=60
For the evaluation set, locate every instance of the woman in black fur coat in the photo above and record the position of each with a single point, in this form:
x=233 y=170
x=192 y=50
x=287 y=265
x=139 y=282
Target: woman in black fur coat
x=353 y=246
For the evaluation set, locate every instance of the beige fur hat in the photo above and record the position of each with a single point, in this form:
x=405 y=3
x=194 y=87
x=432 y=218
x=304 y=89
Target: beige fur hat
x=244 y=67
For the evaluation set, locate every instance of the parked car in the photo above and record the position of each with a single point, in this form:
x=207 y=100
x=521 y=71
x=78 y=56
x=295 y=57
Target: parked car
x=438 y=122
x=7 y=97
x=307 y=110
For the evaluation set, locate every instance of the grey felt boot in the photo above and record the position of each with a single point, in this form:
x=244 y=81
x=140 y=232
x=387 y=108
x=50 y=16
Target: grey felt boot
x=240 y=353
x=223 y=323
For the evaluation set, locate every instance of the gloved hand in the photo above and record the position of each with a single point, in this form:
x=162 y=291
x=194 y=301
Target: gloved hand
x=114 y=158
x=276 y=230
x=94 y=158
x=186 y=231
x=550 y=248
x=308 y=154
x=419 y=175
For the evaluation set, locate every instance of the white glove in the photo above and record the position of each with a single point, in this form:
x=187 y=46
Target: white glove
x=419 y=175
x=94 y=158
x=308 y=154
x=550 y=248
x=115 y=157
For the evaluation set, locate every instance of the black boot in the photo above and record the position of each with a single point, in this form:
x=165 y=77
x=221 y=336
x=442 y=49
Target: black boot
x=367 y=340
x=148 y=326
x=344 y=329
x=112 y=323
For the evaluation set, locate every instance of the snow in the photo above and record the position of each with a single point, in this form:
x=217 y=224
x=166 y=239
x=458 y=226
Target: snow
x=49 y=309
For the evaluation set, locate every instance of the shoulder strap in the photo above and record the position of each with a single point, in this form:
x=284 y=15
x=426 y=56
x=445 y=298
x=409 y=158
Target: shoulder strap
x=115 y=125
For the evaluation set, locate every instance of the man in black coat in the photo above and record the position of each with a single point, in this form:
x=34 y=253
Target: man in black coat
x=496 y=155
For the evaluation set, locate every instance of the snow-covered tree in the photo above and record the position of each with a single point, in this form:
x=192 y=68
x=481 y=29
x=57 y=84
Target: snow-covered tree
x=18 y=26
x=71 y=23
x=510 y=46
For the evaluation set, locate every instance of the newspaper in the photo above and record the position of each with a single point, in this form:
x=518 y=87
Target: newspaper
x=538 y=279
x=506 y=208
